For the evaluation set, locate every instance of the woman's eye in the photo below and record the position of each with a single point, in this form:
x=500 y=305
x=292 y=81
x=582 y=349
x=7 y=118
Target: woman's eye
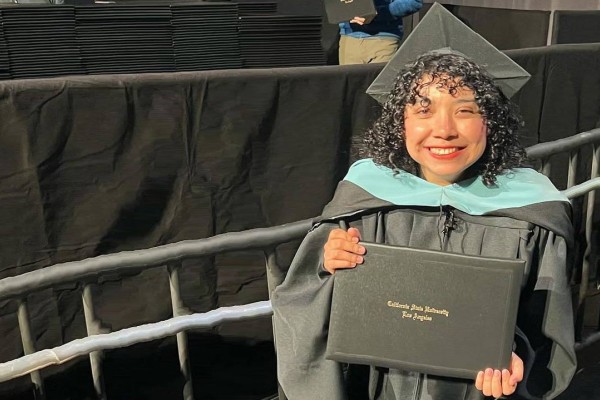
x=423 y=111
x=466 y=110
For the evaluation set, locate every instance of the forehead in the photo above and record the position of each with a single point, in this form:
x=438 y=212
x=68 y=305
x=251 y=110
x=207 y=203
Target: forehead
x=428 y=84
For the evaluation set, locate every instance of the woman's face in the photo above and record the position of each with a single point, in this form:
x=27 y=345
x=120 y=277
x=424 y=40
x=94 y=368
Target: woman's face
x=445 y=134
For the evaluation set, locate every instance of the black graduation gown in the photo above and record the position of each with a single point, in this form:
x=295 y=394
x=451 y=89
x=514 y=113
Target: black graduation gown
x=538 y=231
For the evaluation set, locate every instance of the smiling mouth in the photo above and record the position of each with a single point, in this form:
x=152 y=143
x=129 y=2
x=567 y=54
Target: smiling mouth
x=442 y=151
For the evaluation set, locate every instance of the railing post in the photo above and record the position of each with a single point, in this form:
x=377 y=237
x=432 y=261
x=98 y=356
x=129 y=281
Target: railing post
x=588 y=215
x=92 y=326
x=572 y=176
x=546 y=167
x=182 y=343
x=29 y=348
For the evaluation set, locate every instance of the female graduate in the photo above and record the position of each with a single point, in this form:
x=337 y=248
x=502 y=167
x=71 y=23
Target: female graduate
x=442 y=171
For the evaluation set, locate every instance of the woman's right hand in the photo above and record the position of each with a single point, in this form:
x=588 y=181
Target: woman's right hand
x=358 y=20
x=343 y=250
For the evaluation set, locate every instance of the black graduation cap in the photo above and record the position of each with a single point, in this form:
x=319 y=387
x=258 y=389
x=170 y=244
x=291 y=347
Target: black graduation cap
x=440 y=31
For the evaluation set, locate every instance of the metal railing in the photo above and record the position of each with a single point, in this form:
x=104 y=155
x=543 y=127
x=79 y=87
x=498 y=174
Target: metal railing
x=573 y=146
x=265 y=239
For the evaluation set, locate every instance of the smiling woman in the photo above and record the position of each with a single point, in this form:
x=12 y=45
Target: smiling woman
x=442 y=170
x=447 y=106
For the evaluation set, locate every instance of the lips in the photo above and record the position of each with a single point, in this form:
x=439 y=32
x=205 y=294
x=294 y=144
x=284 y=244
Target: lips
x=445 y=152
x=442 y=151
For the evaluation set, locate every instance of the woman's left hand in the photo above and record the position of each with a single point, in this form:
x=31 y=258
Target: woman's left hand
x=496 y=383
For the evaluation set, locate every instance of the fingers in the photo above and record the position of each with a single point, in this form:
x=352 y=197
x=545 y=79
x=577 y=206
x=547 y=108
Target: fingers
x=355 y=233
x=339 y=233
x=512 y=377
x=342 y=250
x=516 y=369
x=489 y=382
x=333 y=265
x=479 y=380
x=508 y=387
x=358 y=20
x=341 y=242
x=497 y=383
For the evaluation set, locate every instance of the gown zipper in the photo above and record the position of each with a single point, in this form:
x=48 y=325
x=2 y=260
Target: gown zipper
x=449 y=225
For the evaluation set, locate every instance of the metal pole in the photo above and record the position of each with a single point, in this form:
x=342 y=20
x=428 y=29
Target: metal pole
x=182 y=341
x=93 y=328
x=546 y=167
x=572 y=176
x=591 y=199
x=551 y=38
x=29 y=348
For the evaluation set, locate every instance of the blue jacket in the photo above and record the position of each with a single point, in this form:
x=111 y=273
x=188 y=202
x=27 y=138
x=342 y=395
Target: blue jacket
x=388 y=21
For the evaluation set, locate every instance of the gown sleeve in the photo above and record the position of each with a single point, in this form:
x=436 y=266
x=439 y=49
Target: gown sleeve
x=300 y=321
x=545 y=339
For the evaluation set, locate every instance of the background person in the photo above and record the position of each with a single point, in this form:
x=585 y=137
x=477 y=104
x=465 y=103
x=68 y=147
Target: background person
x=364 y=42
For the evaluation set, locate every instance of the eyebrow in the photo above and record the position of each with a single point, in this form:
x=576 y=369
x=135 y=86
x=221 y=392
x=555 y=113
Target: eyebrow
x=464 y=101
x=457 y=101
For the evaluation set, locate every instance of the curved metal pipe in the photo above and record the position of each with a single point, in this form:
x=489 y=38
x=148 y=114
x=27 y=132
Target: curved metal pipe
x=127 y=337
x=582 y=188
x=147 y=258
x=543 y=150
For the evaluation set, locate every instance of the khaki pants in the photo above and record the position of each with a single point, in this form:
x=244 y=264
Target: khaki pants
x=364 y=51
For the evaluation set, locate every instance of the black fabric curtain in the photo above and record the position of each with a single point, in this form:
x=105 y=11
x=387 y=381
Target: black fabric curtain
x=94 y=165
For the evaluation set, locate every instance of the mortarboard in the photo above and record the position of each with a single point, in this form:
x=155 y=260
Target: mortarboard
x=441 y=31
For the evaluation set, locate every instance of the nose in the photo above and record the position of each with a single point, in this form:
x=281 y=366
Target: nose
x=444 y=126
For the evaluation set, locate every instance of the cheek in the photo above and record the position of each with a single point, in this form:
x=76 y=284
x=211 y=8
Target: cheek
x=479 y=138
x=483 y=133
x=475 y=132
x=415 y=132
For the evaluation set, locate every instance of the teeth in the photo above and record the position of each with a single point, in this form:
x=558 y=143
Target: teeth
x=443 y=151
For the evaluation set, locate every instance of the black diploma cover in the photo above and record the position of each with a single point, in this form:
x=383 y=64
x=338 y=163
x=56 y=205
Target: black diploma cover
x=427 y=311
x=345 y=10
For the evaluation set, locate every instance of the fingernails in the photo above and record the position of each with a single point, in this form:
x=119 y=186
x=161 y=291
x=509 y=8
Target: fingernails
x=489 y=372
x=359 y=260
x=355 y=239
x=361 y=250
x=496 y=373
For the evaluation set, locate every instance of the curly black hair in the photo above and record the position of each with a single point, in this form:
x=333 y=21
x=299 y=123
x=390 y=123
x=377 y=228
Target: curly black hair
x=384 y=142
